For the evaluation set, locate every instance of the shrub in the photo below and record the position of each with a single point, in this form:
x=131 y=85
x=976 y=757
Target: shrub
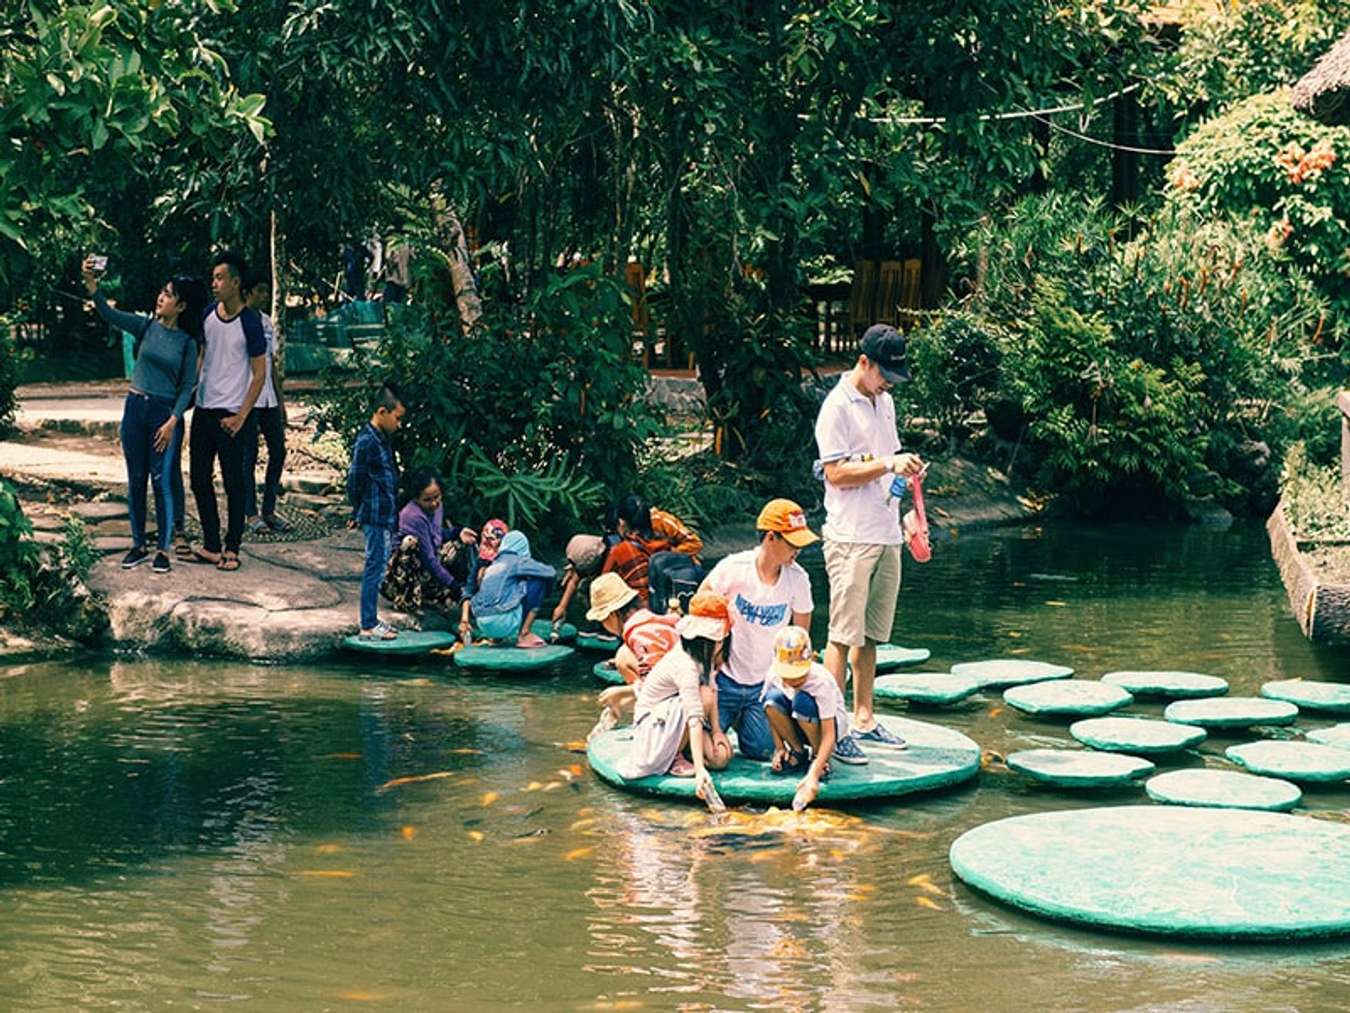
x=954 y=363
x=11 y=366
x=18 y=557
x=1314 y=498
x=537 y=412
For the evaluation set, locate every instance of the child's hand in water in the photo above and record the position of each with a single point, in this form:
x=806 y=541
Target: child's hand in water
x=807 y=790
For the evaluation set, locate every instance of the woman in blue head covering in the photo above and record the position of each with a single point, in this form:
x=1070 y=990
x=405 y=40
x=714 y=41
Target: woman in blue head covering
x=510 y=592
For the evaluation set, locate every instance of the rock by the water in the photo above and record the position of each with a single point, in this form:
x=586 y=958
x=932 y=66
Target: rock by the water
x=1298 y=761
x=1167 y=870
x=1336 y=735
x=1333 y=697
x=925 y=687
x=1172 y=685
x=1078 y=768
x=1223 y=789
x=1066 y=698
x=1000 y=673
x=1231 y=712
x=512 y=659
x=936 y=757
x=1136 y=735
x=409 y=643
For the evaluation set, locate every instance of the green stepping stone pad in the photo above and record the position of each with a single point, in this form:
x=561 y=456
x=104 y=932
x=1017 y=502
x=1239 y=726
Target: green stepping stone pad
x=1317 y=696
x=1336 y=735
x=606 y=671
x=409 y=643
x=590 y=641
x=512 y=659
x=1165 y=870
x=893 y=656
x=925 y=687
x=1173 y=685
x=543 y=629
x=1136 y=735
x=1078 y=768
x=1231 y=712
x=1072 y=699
x=1298 y=761
x=1222 y=789
x=936 y=757
x=1003 y=672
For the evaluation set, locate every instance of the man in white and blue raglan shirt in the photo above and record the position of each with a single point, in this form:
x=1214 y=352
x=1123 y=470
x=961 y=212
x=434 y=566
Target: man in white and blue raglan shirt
x=860 y=452
x=234 y=350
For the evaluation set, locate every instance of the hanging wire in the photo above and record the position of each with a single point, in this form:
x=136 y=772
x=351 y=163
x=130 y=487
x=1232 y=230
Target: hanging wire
x=1167 y=152
x=1016 y=114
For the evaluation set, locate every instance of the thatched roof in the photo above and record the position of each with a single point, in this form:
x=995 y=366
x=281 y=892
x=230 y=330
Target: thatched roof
x=1324 y=92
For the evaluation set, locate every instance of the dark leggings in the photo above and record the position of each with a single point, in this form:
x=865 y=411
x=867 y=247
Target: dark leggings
x=273 y=430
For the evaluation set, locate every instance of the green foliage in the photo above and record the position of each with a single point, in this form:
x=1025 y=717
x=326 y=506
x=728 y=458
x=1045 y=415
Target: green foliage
x=1314 y=498
x=1285 y=172
x=75 y=554
x=11 y=368
x=1158 y=368
x=954 y=362
x=18 y=557
x=534 y=413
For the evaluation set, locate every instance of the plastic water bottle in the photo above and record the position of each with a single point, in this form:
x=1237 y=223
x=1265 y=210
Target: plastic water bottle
x=801 y=800
x=714 y=800
x=899 y=485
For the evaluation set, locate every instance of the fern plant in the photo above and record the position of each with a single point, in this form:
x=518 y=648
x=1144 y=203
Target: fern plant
x=525 y=497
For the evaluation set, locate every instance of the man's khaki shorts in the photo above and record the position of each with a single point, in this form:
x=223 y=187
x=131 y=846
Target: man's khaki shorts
x=864 y=585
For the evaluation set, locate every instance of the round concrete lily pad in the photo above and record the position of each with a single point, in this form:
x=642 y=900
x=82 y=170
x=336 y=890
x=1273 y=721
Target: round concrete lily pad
x=1298 y=761
x=936 y=758
x=1336 y=735
x=409 y=643
x=1078 y=768
x=1165 y=870
x=1223 y=789
x=543 y=629
x=893 y=656
x=606 y=672
x=1172 y=685
x=1003 y=672
x=1311 y=695
x=512 y=659
x=1065 y=698
x=925 y=687
x=589 y=640
x=1136 y=735
x=1231 y=712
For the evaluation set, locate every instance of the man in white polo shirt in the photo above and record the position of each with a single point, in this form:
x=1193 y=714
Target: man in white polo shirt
x=860 y=451
x=234 y=349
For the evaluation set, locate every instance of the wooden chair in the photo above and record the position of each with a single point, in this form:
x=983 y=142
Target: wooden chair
x=911 y=292
x=861 y=299
x=635 y=277
x=887 y=309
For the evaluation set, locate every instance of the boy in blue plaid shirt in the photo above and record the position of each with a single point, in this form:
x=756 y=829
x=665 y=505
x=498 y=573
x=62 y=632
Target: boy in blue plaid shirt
x=372 y=490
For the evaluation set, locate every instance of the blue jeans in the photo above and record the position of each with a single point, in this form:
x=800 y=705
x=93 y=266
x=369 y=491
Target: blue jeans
x=142 y=415
x=800 y=706
x=377 y=558
x=739 y=707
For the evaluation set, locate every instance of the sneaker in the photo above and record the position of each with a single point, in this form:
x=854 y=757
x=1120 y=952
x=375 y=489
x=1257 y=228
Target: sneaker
x=161 y=563
x=278 y=525
x=134 y=558
x=384 y=629
x=881 y=735
x=257 y=527
x=846 y=750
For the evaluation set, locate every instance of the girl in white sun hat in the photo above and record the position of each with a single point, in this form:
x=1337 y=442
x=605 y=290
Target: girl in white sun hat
x=672 y=718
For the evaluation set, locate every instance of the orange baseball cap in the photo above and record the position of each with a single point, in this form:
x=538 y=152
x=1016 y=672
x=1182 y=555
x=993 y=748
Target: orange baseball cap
x=787 y=519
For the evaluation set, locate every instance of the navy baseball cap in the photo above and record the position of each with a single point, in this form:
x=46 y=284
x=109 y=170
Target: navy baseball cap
x=885 y=346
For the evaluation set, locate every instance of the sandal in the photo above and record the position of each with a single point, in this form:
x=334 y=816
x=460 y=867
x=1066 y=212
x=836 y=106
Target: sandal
x=278 y=525
x=182 y=548
x=380 y=632
x=204 y=556
x=257 y=527
x=229 y=561
x=789 y=761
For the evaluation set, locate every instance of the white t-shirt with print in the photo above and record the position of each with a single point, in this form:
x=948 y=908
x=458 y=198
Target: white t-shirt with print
x=850 y=425
x=822 y=688
x=758 y=611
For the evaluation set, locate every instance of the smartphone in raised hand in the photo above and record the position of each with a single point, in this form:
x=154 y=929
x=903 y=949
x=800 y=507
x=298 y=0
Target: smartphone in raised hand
x=98 y=263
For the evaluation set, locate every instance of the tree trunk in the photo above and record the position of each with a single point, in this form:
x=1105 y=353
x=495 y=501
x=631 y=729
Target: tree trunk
x=277 y=249
x=933 y=272
x=461 y=273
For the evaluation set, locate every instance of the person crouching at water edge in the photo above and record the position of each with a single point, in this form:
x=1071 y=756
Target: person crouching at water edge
x=511 y=591
x=430 y=562
x=646 y=638
x=672 y=723
x=806 y=713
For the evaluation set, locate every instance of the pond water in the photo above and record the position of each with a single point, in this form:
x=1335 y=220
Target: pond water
x=206 y=834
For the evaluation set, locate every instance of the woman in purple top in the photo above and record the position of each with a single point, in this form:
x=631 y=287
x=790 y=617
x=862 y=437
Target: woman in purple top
x=431 y=561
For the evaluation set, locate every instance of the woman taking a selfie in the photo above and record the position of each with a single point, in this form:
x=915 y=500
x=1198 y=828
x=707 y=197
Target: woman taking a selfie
x=162 y=380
